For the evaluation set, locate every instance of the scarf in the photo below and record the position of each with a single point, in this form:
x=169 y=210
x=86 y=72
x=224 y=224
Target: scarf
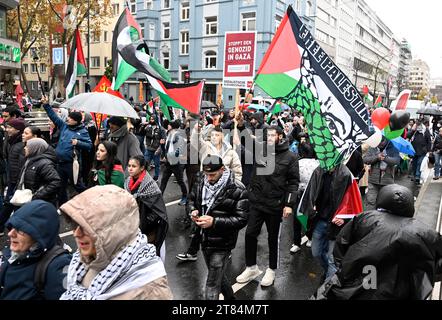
x=133 y=267
x=148 y=187
x=210 y=191
x=133 y=185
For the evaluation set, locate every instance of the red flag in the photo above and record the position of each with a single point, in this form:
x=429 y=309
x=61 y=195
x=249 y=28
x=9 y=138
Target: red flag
x=365 y=90
x=19 y=96
x=105 y=86
x=351 y=204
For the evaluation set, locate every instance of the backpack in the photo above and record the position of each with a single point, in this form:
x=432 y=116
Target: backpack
x=43 y=263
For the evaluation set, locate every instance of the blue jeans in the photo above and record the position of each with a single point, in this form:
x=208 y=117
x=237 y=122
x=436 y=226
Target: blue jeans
x=437 y=158
x=322 y=248
x=150 y=155
x=417 y=161
x=217 y=281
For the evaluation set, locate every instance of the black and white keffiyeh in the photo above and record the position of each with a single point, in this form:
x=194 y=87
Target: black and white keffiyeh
x=210 y=191
x=133 y=267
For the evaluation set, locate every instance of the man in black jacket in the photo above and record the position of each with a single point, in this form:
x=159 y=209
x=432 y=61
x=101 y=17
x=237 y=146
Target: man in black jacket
x=155 y=136
x=272 y=196
x=219 y=206
x=420 y=138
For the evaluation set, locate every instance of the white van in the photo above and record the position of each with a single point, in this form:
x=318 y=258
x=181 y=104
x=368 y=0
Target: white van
x=412 y=107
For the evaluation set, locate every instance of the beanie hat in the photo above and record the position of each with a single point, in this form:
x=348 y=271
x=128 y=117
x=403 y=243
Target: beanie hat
x=36 y=146
x=17 y=123
x=76 y=116
x=212 y=163
x=118 y=121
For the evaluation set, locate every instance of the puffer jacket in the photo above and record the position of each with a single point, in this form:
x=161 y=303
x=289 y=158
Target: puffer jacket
x=15 y=156
x=228 y=155
x=421 y=141
x=39 y=219
x=153 y=136
x=405 y=254
x=65 y=148
x=392 y=159
x=42 y=177
x=110 y=216
x=272 y=192
x=229 y=212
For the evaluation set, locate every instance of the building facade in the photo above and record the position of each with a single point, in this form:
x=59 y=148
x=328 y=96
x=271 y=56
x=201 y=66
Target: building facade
x=10 y=54
x=419 y=77
x=188 y=35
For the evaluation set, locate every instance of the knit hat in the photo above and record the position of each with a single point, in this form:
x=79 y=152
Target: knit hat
x=17 y=123
x=36 y=146
x=212 y=163
x=118 y=121
x=76 y=116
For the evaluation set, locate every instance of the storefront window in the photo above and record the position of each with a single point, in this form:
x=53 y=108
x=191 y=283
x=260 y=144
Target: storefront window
x=2 y=22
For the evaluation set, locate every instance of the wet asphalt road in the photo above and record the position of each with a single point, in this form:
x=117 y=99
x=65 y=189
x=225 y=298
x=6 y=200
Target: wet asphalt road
x=297 y=277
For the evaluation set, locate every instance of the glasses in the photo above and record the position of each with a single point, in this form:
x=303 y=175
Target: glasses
x=71 y=223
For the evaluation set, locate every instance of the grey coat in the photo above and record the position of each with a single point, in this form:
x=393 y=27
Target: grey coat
x=392 y=159
x=128 y=145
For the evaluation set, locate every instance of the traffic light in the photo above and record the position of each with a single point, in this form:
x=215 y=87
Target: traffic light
x=187 y=77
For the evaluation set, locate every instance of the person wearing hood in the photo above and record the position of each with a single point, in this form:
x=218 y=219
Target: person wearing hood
x=39 y=173
x=128 y=144
x=114 y=260
x=272 y=195
x=33 y=231
x=73 y=138
x=15 y=158
x=256 y=124
x=386 y=253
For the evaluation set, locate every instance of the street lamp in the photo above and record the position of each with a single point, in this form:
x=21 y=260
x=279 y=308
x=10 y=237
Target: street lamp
x=36 y=58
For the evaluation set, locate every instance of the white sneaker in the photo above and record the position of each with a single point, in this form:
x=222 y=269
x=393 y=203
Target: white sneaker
x=249 y=274
x=269 y=278
x=294 y=248
x=308 y=244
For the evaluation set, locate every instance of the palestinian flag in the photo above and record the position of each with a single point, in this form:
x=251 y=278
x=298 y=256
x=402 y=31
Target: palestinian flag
x=183 y=96
x=76 y=65
x=378 y=102
x=130 y=53
x=298 y=72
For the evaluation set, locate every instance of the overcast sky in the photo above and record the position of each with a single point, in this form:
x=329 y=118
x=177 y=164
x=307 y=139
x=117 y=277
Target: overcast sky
x=420 y=22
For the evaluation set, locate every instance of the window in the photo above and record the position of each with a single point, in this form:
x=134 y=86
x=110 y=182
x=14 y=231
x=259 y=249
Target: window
x=333 y=21
x=133 y=6
x=278 y=20
x=33 y=85
x=25 y=68
x=148 y=5
x=166 y=30
x=309 y=9
x=95 y=37
x=211 y=0
x=116 y=9
x=332 y=41
x=184 y=42
x=185 y=11
x=33 y=68
x=142 y=30
x=166 y=60
x=183 y=69
x=106 y=59
x=151 y=31
x=321 y=36
x=56 y=38
x=211 y=25
x=248 y=21
x=42 y=68
x=298 y=6
x=210 y=60
x=166 y=4
x=2 y=23
x=105 y=36
x=322 y=15
x=95 y=62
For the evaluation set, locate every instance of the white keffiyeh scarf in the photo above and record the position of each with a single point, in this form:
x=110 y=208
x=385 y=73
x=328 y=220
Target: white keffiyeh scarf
x=210 y=191
x=133 y=267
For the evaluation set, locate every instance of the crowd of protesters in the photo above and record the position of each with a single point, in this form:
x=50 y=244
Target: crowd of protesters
x=243 y=169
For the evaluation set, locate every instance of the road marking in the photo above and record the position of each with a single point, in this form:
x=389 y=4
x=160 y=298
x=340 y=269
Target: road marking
x=66 y=234
x=238 y=286
x=172 y=203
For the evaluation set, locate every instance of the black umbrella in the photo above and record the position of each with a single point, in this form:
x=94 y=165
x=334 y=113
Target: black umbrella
x=430 y=111
x=208 y=105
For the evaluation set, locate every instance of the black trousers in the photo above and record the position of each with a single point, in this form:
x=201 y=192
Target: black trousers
x=273 y=222
x=177 y=171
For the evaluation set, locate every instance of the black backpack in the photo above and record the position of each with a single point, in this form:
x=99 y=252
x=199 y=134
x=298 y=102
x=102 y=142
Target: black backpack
x=43 y=263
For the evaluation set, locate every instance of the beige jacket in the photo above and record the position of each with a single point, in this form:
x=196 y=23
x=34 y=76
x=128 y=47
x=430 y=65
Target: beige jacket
x=230 y=157
x=110 y=216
